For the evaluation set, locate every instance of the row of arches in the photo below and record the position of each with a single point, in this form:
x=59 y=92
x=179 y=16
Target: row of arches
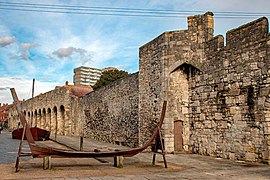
x=56 y=120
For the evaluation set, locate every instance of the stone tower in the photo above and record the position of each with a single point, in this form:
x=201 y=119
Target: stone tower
x=166 y=64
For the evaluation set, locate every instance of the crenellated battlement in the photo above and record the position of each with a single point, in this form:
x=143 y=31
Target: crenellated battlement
x=215 y=44
x=247 y=34
x=218 y=96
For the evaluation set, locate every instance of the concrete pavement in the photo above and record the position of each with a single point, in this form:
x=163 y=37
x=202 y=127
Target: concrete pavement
x=180 y=166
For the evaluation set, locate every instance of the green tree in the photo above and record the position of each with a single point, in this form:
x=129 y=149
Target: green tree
x=108 y=77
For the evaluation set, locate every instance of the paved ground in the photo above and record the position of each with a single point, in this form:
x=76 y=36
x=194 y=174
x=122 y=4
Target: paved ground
x=9 y=147
x=181 y=166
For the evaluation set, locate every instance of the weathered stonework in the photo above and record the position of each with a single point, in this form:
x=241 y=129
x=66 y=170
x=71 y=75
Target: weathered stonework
x=110 y=113
x=221 y=93
x=166 y=63
x=52 y=111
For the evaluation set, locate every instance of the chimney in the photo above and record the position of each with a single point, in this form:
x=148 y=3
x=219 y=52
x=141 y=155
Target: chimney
x=66 y=83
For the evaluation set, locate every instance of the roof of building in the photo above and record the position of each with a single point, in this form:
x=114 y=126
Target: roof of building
x=77 y=90
x=2 y=108
x=80 y=90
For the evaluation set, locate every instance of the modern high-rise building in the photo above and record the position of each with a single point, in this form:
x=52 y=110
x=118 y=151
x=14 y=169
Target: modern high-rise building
x=86 y=76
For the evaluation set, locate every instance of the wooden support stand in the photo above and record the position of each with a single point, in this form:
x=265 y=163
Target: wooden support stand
x=20 y=150
x=47 y=162
x=81 y=143
x=159 y=146
x=118 y=161
x=46 y=152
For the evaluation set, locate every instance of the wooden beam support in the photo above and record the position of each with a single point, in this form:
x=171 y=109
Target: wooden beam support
x=47 y=162
x=118 y=161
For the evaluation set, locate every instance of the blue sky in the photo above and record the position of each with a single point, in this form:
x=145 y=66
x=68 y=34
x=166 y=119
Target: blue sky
x=48 y=46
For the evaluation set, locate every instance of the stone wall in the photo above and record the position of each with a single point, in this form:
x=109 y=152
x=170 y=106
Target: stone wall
x=219 y=93
x=110 y=113
x=50 y=111
x=229 y=111
x=160 y=61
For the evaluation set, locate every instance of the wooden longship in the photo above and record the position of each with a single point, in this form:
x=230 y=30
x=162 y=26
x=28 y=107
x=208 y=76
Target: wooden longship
x=39 y=151
x=37 y=133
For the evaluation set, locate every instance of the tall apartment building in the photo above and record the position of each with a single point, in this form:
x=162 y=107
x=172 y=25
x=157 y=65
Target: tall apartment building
x=86 y=76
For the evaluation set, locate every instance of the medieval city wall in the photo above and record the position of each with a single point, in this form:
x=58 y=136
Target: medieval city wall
x=162 y=76
x=50 y=111
x=218 y=93
x=150 y=86
x=110 y=113
x=229 y=97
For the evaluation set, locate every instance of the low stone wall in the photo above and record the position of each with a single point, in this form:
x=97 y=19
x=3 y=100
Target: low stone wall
x=110 y=113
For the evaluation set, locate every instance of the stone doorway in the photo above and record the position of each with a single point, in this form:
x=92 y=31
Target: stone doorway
x=178 y=135
x=178 y=124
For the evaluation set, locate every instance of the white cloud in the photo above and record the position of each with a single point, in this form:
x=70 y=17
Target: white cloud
x=25 y=50
x=4 y=41
x=66 y=41
x=26 y=46
x=68 y=52
x=21 y=51
x=64 y=52
x=23 y=88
